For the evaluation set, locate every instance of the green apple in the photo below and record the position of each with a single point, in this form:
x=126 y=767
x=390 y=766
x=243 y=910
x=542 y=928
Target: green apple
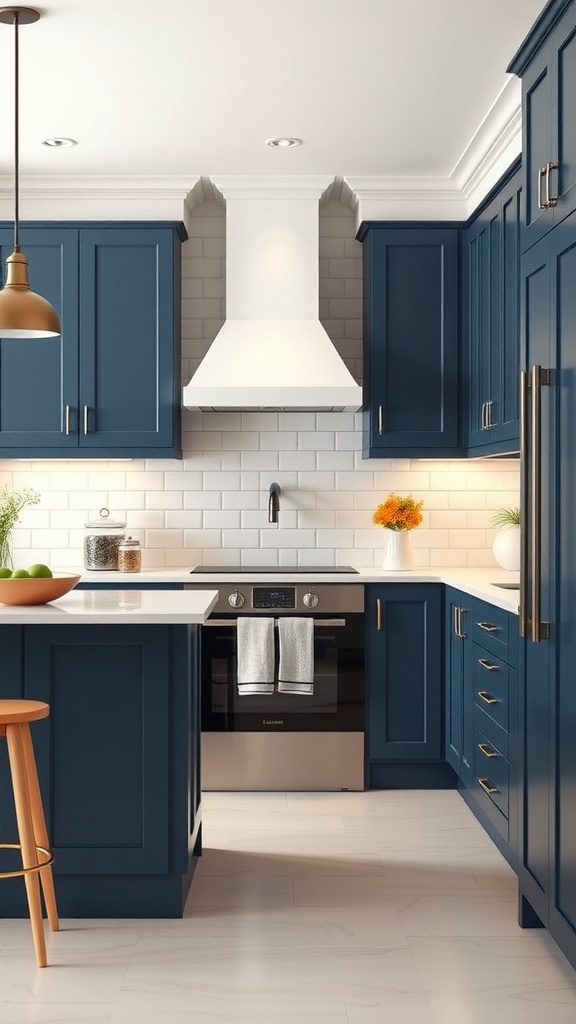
x=38 y=571
x=20 y=574
x=5 y=573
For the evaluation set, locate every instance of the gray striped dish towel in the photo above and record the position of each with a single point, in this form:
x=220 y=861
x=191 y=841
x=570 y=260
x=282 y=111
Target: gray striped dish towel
x=296 y=667
x=255 y=653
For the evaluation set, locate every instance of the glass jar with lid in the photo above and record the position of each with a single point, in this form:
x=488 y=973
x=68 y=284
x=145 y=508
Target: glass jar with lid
x=102 y=537
x=129 y=555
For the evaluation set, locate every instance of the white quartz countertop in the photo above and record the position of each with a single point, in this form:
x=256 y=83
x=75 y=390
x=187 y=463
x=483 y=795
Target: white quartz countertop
x=476 y=582
x=115 y=607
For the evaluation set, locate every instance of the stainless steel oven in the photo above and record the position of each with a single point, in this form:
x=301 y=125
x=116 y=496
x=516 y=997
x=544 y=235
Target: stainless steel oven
x=279 y=740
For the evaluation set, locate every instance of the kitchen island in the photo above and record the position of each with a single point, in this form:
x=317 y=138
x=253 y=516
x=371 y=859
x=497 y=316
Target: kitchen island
x=118 y=757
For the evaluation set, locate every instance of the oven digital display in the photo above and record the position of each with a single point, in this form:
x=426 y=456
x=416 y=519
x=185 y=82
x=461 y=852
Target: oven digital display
x=273 y=597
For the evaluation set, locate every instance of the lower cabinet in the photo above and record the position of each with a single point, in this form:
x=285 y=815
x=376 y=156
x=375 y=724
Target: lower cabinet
x=405 y=698
x=118 y=764
x=482 y=713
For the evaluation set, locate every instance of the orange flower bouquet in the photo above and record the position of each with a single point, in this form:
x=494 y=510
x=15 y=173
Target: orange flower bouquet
x=398 y=513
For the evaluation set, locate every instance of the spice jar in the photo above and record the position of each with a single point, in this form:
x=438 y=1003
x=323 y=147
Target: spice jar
x=129 y=555
x=102 y=539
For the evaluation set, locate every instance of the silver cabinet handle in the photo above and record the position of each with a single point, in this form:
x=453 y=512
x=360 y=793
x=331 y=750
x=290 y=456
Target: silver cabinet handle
x=487 y=697
x=541 y=202
x=488 y=665
x=378 y=613
x=550 y=200
x=380 y=420
x=524 y=485
x=488 y=787
x=489 y=423
x=538 y=378
x=455 y=622
x=487 y=751
x=86 y=412
x=483 y=417
x=67 y=430
x=488 y=627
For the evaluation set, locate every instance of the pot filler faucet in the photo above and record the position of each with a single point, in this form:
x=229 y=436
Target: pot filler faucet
x=274 y=503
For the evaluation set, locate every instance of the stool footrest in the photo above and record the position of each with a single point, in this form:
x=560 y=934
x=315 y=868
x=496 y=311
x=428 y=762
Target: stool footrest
x=26 y=871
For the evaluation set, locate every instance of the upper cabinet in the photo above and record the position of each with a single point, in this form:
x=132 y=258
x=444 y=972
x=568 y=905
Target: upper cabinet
x=109 y=386
x=546 y=63
x=411 y=357
x=492 y=321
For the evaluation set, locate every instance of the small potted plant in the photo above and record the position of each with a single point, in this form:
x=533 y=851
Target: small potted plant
x=398 y=516
x=506 y=544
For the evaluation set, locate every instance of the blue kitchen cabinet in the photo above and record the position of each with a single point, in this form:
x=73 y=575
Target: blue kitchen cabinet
x=482 y=713
x=548 y=865
x=405 y=700
x=110 y=385
x=546 y=62
x=458 y=683
x=38 y=378
x=492 y=321
x=118 y=761
x=411 y=340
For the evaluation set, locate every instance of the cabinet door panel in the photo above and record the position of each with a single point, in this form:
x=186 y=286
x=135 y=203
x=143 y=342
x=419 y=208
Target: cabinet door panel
x=566 y=119
x=563 y=243
x=103 y=752
x=127 y=331
x=405 y=684
x=39 y=377
x=537 y=87
x=411 y=340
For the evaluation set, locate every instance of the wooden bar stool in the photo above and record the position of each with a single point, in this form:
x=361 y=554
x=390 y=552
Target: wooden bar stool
x=15 y=716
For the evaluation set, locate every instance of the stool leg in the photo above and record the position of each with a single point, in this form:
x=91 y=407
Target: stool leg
x=26 y=837
x=40 y=830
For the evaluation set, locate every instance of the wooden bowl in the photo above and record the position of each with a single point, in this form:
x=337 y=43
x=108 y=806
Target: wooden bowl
x=36 y=591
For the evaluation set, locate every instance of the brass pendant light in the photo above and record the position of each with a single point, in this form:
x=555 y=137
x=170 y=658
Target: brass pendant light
x=23 y=313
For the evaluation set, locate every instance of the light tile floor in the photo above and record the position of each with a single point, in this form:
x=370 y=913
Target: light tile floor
x=311 y=908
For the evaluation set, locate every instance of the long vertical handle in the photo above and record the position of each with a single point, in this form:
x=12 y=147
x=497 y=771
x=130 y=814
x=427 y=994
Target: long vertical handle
x=380 y=420
x=86 y=412
x=67 y=430
x=538 y=377
x=524 y=486
x=378 y=613
x=535 y=489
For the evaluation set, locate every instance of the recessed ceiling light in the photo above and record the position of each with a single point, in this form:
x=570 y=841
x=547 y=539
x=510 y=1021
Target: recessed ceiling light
x=284 y=142
x=59 y=142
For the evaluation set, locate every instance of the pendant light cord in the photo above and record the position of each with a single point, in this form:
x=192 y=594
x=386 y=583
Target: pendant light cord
x=16 y=140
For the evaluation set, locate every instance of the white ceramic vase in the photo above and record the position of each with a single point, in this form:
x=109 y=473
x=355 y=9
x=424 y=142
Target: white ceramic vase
x=506 y=547
x=398 y=553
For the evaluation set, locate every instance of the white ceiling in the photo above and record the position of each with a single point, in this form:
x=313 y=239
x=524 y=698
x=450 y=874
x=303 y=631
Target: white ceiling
x=179 y=87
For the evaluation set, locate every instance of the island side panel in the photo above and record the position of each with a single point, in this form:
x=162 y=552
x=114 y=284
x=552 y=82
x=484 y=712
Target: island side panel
x=118 y=765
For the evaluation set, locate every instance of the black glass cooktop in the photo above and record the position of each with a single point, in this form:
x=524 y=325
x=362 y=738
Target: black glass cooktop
x=254 y=570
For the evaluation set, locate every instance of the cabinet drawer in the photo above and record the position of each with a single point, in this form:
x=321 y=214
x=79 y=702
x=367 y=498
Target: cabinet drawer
x=491 y=629
x=491 y=772
x=491 y=680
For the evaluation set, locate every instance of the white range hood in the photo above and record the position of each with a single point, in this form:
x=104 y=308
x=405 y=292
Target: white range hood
x=272 y=352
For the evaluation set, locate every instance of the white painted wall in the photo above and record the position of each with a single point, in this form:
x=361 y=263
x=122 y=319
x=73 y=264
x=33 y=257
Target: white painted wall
x=211 y=507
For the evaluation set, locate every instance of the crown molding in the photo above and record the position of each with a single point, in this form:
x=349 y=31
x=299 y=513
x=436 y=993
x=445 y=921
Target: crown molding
x=493 y=148
x=94 y=197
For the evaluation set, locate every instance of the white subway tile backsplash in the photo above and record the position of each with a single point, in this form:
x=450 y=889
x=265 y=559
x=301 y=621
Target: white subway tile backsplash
x=342 y=461
x=297 y=460
x=211 y=506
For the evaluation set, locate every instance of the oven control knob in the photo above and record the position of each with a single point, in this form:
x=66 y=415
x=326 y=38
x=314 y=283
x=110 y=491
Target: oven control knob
x=310 y=600
x=236 y=600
